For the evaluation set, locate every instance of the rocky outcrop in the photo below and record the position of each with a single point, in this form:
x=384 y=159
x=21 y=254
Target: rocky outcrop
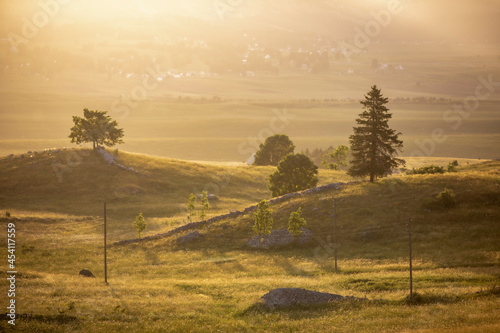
x=279 y=238
x=188 y=238
x=110 y=159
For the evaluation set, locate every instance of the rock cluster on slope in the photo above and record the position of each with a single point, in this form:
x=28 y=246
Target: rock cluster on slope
x=279 y=238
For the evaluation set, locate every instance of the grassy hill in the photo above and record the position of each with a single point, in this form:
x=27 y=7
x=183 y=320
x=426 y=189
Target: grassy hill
x=214 y=284
x=78 y=181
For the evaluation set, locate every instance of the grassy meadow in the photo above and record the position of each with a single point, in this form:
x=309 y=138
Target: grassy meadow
x=214 y=284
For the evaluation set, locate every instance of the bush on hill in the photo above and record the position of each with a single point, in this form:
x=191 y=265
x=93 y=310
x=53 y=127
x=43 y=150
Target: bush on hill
x=444 y=200
x=430 y=169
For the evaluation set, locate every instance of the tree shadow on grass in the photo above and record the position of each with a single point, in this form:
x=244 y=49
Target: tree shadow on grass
x=427 y=298
x=299 y=312
x=151 y=256
x=291 y=269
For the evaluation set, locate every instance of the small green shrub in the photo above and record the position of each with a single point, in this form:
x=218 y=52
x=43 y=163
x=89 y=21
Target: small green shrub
x=263 y=219
x=175 y=222
x=446 y=198
x=191 y=206
x=296 y=222
x=7 y=213
x=140 y=224
x=204 y=205
x=452 y=166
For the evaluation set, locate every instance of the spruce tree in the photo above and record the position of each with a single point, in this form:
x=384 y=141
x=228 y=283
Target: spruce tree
x=374 y=145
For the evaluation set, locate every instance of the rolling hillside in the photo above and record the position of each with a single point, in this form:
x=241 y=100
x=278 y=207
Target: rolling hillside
x=77 y=181
x=373 y=218
x=215 y=282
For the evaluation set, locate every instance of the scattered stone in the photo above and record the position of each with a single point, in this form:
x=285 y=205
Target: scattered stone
x=279 y=238
x=112 y=160
x=86 y=273
x=10 y=156
x=286 y=297
x=189 y=237
x=106 y=156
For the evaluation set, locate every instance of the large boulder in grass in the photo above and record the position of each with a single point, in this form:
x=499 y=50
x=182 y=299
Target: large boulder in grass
x=279 y=238
x=86 y=273
x=287 y=297
x=192 y=236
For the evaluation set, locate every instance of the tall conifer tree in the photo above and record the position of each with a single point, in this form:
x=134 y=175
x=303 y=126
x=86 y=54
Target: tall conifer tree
x=374 y=145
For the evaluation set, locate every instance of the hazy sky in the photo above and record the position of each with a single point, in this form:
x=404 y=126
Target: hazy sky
x=441 y=17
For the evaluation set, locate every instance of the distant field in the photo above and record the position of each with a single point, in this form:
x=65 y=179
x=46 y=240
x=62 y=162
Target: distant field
x=232 y=131
x=214 y=118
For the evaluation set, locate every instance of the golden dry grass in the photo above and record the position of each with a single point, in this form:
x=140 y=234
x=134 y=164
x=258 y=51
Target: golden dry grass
x=214 y=284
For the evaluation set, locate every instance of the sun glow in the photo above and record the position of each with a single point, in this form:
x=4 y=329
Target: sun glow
x=138 y=57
